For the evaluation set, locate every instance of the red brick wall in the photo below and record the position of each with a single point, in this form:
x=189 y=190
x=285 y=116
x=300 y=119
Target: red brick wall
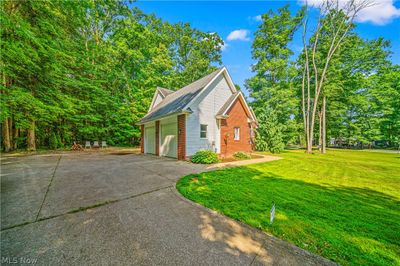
x=237 y=118
x=182 y=137
x=142 y=138
x=157 y=138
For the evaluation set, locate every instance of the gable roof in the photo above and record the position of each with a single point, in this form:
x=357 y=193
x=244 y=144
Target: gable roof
x=223 y=112
x=227 y=104
x=179 y=100
x=164 y=92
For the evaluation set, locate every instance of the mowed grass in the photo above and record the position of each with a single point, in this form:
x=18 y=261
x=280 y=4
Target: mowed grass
x=344 y=205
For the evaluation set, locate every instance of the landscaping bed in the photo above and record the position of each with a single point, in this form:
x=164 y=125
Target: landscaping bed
x=234 y=159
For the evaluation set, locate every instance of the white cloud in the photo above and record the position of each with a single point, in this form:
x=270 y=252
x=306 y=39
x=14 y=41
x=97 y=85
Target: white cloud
x=257 y=18
x=238 y=35
x=380 y=12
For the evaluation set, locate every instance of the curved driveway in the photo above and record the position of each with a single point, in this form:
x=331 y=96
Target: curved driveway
x=121 y=209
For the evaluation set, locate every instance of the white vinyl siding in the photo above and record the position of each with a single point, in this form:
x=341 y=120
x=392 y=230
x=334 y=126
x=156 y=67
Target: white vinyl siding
x=204 y=110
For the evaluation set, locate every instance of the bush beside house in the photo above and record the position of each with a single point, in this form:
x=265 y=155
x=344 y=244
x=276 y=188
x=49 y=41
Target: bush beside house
x=205 y=157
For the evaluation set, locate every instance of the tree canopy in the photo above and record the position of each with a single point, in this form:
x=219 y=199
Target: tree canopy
x=87 y=70
x=346 y=81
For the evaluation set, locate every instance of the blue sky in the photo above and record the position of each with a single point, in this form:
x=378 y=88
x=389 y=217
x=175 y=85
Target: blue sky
x=236 y=22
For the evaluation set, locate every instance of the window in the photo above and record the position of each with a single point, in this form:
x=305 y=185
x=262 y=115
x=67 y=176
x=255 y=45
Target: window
x=203 y=131
x=251 y=135
x=236 y=133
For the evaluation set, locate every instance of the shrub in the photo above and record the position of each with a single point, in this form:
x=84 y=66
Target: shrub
x=241 y=155
x=53 y=141
x=205 y=157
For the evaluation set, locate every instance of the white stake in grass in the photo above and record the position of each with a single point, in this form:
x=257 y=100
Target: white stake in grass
x=272 y=216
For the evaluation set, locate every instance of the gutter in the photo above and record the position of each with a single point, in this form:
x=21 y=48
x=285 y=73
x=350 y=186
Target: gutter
x=141 y=122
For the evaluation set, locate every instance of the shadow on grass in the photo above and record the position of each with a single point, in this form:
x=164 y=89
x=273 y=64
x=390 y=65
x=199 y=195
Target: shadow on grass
x=349 y=225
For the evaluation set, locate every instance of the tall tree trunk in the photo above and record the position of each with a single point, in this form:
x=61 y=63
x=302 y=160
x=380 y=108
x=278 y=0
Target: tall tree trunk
x=6 y=136
x=31 y=139
x=16 y=135
x=320 y=130
x=10 y=132
x=339 y=33
x=324 y=124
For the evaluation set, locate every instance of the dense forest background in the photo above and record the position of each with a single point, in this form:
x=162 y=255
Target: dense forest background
x=87 y=70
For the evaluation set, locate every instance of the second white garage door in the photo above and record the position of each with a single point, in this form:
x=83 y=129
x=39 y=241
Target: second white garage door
x=169 y=140
x=149 y=137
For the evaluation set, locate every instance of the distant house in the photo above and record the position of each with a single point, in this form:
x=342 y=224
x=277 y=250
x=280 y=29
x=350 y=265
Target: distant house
x=208 y=114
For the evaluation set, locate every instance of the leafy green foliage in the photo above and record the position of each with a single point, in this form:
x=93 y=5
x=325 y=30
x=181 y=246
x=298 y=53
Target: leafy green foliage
x=330 y=204
x=241 y=155
x=55 y=141
x=205 y=157
x=272 y=85
x=357 y=85
x=269 y=132
x=87 y=70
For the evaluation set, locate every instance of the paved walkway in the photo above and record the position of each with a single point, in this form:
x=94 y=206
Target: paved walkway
x=264 y=159
x=121 y=209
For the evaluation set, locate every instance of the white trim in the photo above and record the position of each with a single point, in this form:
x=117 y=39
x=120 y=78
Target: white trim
x=246 y=105
x=164 y=116
x=156 y=93
x=163 y=96
x=230 y=105
x=203 y=131
x=230 y=81
x=227 y=76
x=152 y=101
x=236 y=135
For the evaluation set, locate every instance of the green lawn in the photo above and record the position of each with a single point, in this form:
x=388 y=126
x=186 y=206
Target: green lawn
x=344 y=205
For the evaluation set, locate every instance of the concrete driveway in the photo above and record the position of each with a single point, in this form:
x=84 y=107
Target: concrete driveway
x=121 y=209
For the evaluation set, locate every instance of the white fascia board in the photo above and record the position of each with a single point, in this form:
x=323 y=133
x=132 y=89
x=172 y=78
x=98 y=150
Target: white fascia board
x=154 y=98
x=240 y=94
x=230 y=81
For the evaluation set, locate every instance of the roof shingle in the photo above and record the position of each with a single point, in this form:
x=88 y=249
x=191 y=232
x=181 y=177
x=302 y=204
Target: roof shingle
x=175 y=102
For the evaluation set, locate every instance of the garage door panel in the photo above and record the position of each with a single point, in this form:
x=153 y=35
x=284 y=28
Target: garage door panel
x=149 y=144
x=169 y=140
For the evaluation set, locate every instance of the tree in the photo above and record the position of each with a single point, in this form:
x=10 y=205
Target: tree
x=272 y=86
x=86 y=70
x=354 y=116
x=333 y=25
x=269 y=132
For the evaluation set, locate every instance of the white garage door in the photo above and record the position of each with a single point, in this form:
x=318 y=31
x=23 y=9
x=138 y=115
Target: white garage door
x=169 y=140
x=149 y=140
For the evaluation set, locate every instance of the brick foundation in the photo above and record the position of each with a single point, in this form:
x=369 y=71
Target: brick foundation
x=142 y=138
x=181 y=137
x=157 y=140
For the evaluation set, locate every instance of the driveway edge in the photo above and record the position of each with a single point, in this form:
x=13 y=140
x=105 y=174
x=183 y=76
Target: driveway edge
x=266 y=236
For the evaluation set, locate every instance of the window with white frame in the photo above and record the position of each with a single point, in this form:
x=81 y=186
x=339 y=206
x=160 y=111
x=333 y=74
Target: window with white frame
x=203 y=131
x=236 y=133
